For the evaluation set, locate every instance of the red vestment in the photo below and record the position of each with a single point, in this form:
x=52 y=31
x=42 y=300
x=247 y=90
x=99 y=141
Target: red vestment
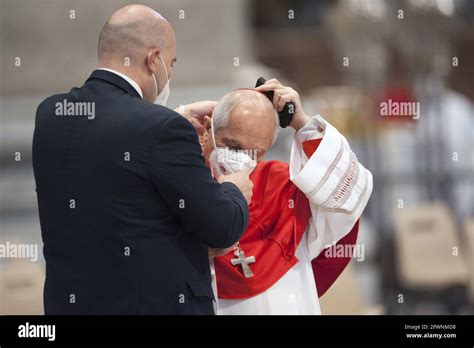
x=279 y=216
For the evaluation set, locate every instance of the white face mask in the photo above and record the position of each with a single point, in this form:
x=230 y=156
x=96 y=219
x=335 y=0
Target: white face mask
x=224 y=161
x=162 y=98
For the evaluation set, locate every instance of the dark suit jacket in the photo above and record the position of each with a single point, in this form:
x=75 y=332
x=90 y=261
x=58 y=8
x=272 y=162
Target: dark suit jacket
x=127 y=205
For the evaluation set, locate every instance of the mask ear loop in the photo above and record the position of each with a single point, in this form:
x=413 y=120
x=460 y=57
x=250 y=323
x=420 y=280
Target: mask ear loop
x=212 y=133
x=156 y=84
x=164 y=66
x=214 y=143
x=154 y=78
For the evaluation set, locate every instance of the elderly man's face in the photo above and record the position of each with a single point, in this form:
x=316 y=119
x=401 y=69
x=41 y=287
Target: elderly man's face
x=251 y=127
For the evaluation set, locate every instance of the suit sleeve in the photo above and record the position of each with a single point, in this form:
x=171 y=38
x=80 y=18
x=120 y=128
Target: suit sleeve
x=215 y=213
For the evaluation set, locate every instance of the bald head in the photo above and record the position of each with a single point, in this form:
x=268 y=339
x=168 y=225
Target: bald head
x=140 y=43
x=130 y=31
x=245 y=120
x=249 y=109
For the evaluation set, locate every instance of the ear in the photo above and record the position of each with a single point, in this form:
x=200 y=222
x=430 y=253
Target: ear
x=203 y=138
x=207 y=123
x=151 y=58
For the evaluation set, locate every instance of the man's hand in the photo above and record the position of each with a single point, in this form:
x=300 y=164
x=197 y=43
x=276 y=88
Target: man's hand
x=195 y=113
x=242 y=181
x=283 y=95
x=221 y=252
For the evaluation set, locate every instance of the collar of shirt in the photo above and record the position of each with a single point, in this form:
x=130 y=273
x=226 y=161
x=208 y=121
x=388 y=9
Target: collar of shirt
x=126 y=78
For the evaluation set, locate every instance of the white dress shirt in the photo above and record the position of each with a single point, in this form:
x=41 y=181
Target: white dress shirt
x=126 y=78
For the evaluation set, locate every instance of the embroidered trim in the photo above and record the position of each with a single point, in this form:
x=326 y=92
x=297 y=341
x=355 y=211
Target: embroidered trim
x=328 y=171
x=359 y=200
x=345 y=185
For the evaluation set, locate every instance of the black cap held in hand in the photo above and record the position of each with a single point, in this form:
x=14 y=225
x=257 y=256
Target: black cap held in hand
x=286 y=114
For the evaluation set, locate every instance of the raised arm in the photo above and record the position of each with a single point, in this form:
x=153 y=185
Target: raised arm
x=215 y=213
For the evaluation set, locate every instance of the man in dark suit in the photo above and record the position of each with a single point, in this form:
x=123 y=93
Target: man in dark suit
x=128 y=208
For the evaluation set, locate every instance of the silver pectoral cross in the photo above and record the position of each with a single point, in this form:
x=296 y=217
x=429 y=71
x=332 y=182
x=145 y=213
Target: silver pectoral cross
x=243 y=262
